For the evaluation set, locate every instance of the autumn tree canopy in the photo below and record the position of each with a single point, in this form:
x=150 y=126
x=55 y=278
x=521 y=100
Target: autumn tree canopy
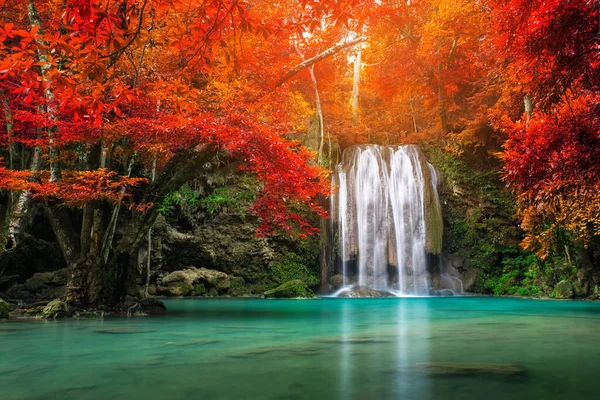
x=110 y=105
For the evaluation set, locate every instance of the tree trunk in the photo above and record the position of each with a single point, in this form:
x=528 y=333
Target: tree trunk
x=356 y=86
x=319 y=57
x=179 y=170
x=51 y=106
x=18 y=204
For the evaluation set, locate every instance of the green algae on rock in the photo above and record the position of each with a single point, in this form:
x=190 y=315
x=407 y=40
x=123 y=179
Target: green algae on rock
x=563 y=290
x=54 y=309
x=290 y=290
x=4 y=312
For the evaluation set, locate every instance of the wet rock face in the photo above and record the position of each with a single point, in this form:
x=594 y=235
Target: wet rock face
x=222 y=243
x=290 y=290
x=41 y=286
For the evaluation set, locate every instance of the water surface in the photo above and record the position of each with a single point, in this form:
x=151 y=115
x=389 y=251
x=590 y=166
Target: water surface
x=408 y=348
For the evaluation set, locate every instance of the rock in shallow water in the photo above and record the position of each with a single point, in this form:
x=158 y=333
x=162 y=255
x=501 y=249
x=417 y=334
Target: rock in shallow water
x=363 y=291
x=56 y=308
x=452 y=369
x=125 y=330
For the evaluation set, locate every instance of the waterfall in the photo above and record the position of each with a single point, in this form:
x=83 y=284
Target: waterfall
x=386 y=218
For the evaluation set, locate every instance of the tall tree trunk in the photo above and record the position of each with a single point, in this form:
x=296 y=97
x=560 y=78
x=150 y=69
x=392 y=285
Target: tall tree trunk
x=318 y=108
x=107 y=241
x=179 y=170
x=356 y=86
x=441 y=99
x=51 y=106
x=412 y=113
x=319 y=112
x=323 y=242
x=149 y=247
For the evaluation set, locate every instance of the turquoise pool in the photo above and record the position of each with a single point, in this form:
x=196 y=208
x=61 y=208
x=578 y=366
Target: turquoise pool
x=407 y=348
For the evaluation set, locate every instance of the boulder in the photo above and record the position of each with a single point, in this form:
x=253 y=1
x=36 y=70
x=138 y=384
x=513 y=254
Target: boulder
x=56 y=308
x=290 y=290
x=41 y=286
x=7 y=282
x=145 y=306
x=197 y=282
x=176 y=289
x=563 y=290
x=363 y=291
x=4 y=312
x=35 y=284
x=188 y=276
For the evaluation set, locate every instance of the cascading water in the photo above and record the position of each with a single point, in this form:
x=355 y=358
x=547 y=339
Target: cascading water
x=387 y=218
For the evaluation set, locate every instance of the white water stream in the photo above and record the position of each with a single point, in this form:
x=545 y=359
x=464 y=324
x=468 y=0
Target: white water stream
x=386 y=197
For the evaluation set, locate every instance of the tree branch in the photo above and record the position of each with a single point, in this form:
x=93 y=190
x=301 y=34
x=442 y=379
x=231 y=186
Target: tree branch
x=319 y=57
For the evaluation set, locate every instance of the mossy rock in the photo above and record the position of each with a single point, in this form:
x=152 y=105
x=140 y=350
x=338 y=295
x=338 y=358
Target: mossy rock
x=290 y=290
x=595 y=294
x=563 y=290
x=579 y=289
x=177 y=289
x=238 y=287
x=199 y=289
x=4 y=312
x=54 y=309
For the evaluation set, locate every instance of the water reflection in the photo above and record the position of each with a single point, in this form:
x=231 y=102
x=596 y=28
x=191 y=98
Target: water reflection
x=412 y=348
x=345 y=364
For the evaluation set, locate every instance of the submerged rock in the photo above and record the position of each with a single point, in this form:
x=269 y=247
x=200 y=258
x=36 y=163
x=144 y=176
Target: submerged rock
x=124 y=330
x=563 y=290
x=363 y=291
x=452 y=369
x=289 y=290
x=153 y=306
x=357 y=340
x=4 y=312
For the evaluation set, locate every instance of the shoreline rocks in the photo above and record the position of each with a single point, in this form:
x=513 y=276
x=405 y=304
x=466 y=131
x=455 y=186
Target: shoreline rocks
x=204 y=282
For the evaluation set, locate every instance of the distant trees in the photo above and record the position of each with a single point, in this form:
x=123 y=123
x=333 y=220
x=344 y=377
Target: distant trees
x=108 y=106
x=550 y=52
